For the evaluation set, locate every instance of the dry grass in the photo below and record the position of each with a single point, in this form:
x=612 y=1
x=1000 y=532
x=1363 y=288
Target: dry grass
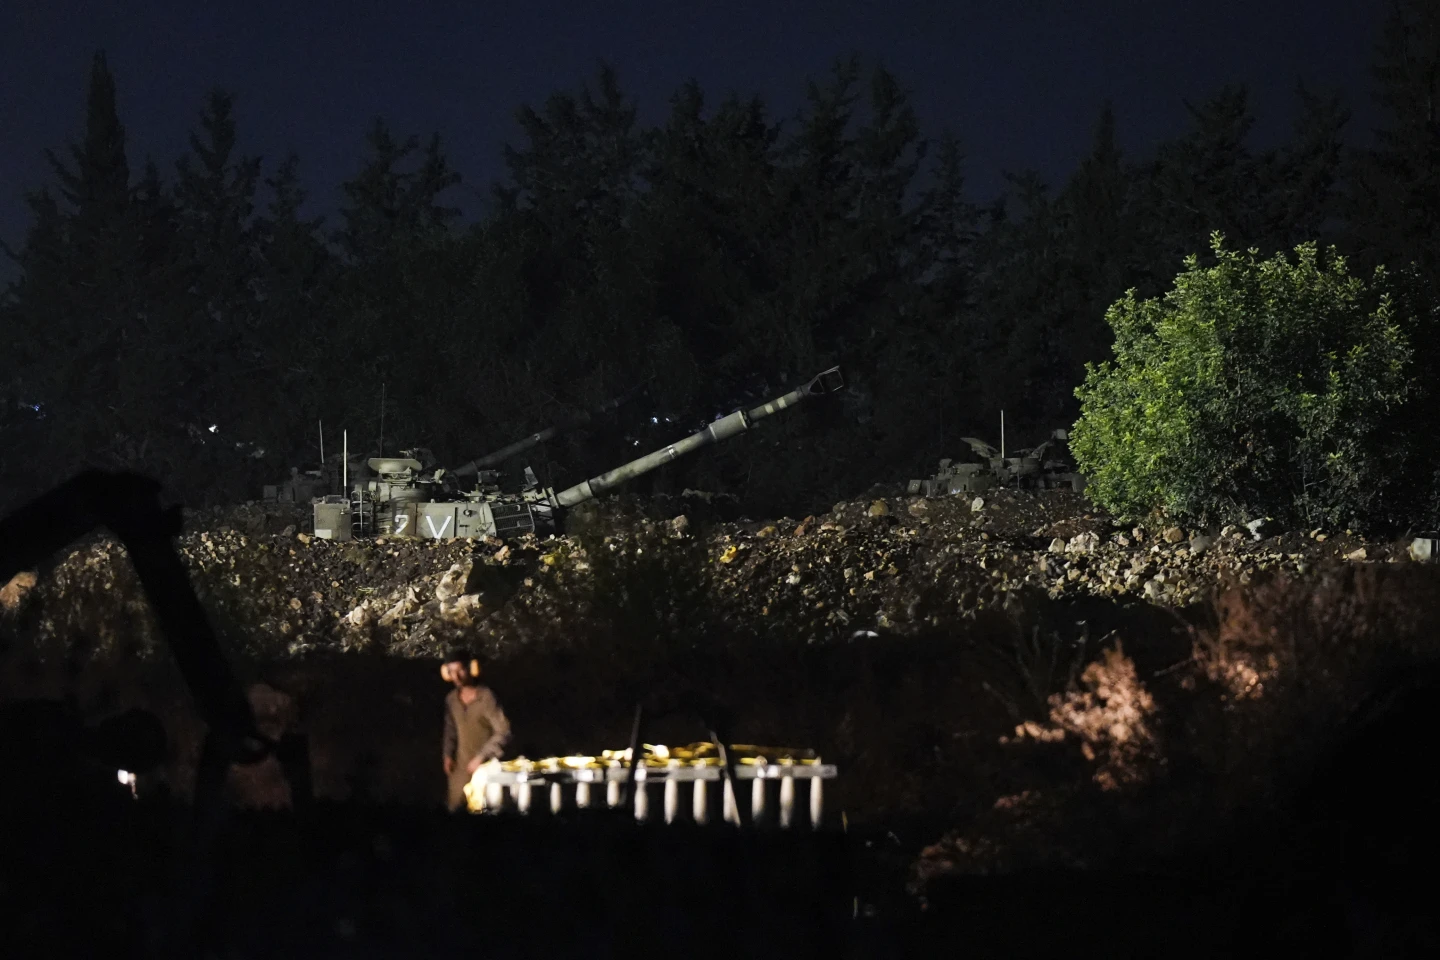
x=1176 y=761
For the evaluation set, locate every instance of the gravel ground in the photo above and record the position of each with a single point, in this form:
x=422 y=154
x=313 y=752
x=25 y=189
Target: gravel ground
x=885 y=563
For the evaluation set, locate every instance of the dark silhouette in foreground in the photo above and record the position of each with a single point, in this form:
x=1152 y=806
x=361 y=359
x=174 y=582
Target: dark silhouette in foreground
x=95 y=871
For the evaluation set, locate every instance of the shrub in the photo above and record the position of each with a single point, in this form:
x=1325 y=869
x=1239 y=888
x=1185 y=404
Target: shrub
x=1257 y=388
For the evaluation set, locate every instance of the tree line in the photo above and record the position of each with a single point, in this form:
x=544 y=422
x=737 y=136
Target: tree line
x=717 y=256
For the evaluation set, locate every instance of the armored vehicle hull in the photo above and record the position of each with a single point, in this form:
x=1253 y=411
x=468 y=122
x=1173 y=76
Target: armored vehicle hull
x=1030 y=470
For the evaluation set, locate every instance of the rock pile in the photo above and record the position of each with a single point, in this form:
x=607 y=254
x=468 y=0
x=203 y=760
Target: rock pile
x=882 y=563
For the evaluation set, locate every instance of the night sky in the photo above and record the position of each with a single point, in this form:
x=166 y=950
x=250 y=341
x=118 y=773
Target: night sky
x=1021 y=81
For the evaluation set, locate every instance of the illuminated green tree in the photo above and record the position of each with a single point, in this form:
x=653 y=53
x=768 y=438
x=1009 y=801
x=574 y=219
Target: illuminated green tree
x=1256 y=387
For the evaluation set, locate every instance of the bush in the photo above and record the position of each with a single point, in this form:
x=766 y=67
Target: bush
x=1255 y=387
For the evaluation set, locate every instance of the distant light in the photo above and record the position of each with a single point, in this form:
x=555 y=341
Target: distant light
x=123 y=776
x=654 y=419
x=212 y=428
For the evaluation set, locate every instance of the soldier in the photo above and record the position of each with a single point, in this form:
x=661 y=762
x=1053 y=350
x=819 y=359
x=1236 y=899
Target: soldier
x=476 y=730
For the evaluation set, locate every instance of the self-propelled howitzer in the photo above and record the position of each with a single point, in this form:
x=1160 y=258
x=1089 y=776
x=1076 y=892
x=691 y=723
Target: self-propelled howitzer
x=402 y=504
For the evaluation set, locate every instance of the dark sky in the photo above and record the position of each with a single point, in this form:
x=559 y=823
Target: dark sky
x=1020 y=81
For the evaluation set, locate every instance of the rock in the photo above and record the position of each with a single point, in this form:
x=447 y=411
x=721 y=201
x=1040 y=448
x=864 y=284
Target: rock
x=1321 y=537
x=1084 y=543
x=462 y=611
x=16 y=590
x=1153 y=590
x=1200 y=543
x=303 y=537
x=919 y=507
x=1229 y=530
x=1173 y=535
x=1356 y=554
x=977 y=505
x=1261 y=528
x=1139 y=534
x=879 y=509
x=452 y=583
x=679 y=526
x=768 y=531
x=295 y=603
x=1057 y=545
x=1423 y=549
x=289 y=531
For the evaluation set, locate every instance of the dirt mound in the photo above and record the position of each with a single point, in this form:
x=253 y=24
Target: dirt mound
x=884 y=564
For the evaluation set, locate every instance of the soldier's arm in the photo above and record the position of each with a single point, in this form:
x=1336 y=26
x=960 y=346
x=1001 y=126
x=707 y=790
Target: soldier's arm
x=499 y=726
x=450 y=739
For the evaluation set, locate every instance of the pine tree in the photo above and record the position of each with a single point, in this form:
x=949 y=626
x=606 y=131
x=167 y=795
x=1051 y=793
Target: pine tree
x=401 y=274
x=216 y=283
x=98 y=187
x=81 y=297
x=293 y=329
x=215 y=193
x=1101 y=260
x=1305 y=202
x=1394 y=210
x=392 y=208
x=1205 y=180
x=574 y=191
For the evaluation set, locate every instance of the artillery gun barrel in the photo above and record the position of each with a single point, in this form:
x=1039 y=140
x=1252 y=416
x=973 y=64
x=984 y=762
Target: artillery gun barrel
x=728 y=426
x=535 y=439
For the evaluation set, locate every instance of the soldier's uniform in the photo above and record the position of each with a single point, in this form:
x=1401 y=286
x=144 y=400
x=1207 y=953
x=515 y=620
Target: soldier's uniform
x=475 y=729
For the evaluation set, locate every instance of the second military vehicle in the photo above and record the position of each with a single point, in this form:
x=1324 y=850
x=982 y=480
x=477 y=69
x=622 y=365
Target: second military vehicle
x=1038 y=468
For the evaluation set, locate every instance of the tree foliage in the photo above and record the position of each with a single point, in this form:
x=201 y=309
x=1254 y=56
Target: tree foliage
x=1254 y=387
x=718 y=257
